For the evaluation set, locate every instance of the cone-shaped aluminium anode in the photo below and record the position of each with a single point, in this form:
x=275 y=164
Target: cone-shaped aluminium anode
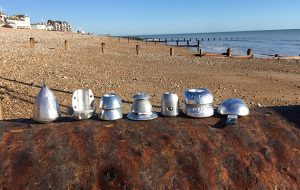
x=46 y=108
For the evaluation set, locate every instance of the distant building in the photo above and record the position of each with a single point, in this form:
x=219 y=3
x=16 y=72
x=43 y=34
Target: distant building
x=81 y=32
x=2 y=18
x=59 y=26
x=39 y=26
x=50 y=28
x=18 y=21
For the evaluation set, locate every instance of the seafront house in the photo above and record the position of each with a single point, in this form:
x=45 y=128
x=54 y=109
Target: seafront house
x=39 y=26
x=23 y=22
x=62 y=26
x=2 y=18
x=18 y=21
x=15 y=21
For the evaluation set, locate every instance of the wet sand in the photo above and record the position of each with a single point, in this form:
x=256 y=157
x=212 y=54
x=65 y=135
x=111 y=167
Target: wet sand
x=259 y=82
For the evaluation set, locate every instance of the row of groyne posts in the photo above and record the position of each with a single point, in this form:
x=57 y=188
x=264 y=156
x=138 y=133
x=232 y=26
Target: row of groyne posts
x=159 y=40
x=187 y=42
x=179 y=42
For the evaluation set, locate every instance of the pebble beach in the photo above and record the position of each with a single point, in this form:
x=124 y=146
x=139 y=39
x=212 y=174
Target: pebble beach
x=260 y=82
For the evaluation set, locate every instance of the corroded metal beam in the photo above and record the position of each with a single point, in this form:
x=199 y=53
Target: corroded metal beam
x=262 y=152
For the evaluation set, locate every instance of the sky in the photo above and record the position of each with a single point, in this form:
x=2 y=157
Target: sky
x=140 y=17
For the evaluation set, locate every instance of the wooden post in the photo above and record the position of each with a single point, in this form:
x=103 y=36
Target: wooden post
x=32 y=42
x=202 y=39
x=229 y=52
x=198 y=43
x=184 y=39
x=200 y=52
x=137 y=49
x=103 y=47
x=128 y=40
x=188 y=43
x=250 y=52
x=67 y=47
x=207 y=39
x=146 y=40
x=177 y=42
x=190 y=39
x=171 y=51
x=214 y=39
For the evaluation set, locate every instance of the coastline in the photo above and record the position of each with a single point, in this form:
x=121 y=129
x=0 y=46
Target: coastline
x=264 y=44
x=260 y=82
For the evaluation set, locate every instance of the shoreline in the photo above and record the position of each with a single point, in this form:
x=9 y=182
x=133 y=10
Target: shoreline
x=260 y=82
x=264 y=44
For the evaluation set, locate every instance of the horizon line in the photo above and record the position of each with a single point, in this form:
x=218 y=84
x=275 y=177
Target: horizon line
x=210 y=32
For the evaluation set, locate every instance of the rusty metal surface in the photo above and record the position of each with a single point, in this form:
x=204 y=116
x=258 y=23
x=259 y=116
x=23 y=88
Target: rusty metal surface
x=262 y=152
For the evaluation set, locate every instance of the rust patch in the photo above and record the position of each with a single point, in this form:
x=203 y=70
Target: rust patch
x=262 y=152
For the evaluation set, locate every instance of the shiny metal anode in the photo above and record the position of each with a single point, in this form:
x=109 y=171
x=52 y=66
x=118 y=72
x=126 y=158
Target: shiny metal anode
x=141 y=104
x=169 y=104
x=83 y=104
x=198 y=111
x=141 y=96
x=110 y=101
x=46 y=108
x=233 y=107
x=111 y=115
x=197 y=96
x=141 y=108
x=110 y=107
x=142 y=117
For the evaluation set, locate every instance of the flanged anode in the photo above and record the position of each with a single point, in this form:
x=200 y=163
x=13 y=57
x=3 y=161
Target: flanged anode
x=141 y=108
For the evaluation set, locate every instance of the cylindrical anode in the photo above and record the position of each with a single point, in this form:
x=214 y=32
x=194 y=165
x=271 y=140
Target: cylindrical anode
x=169 y=104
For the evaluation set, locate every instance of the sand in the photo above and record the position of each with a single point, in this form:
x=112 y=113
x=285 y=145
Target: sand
x=260 y=82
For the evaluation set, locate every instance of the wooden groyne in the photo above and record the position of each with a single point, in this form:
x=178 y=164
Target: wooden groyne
x=196 y=43
x=186 y=43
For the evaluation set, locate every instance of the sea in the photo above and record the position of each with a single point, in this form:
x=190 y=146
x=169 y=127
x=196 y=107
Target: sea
x=264 y=43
